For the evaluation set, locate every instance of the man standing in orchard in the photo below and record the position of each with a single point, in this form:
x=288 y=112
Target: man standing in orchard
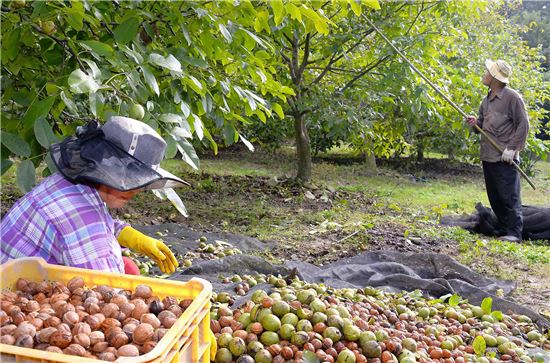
x=502 y=116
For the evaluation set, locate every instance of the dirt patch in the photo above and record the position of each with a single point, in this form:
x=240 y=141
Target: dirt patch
x=330 y=247
x=533 y=287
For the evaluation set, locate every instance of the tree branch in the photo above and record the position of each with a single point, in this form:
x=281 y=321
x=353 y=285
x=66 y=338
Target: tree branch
x=306 y=56
x=337 y=69
x=363 y=72
x=324 y=72
x=90 y=27
x=285 y=58
x=294 y=61
x=64 y=44
x=335 y=58
x=416 y=18
x=107 y=28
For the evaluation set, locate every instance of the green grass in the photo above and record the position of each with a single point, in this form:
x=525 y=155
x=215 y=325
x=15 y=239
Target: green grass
x=407 y=200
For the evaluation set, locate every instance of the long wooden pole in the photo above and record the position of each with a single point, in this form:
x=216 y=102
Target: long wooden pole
x=446 y=98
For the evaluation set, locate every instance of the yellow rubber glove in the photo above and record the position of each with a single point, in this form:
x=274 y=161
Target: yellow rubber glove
x=213 y=346
x=153 y=248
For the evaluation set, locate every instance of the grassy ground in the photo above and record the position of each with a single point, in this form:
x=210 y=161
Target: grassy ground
x=347 y=210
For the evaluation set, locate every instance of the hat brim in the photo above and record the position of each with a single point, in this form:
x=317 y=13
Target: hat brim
x=492 y=68
x=97 y=160
x=168 y=180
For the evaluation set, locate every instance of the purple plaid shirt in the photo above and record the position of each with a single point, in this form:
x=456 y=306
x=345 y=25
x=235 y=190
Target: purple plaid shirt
x=64 y=223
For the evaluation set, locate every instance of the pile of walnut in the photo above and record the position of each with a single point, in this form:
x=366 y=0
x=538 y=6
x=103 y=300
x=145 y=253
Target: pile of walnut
x=102 y=322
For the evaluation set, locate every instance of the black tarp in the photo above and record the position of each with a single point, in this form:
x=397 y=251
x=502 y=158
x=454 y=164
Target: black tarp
x=536 y=222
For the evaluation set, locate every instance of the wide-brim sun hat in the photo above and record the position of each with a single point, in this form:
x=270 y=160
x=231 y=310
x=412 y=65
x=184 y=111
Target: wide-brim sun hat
x=499 y=69
x=124 y=154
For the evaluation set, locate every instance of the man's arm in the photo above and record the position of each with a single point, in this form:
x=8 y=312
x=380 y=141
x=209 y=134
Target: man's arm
x=479 y=121
x=472 y=120
x=520 y=118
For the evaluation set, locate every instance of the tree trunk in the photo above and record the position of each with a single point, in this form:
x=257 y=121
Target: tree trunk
x=370 y=163
x=420 y=153
x=303 y=149
x=370 y=160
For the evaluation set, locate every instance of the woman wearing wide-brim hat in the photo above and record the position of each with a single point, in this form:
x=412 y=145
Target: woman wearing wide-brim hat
x=65 y=219
x=502 y=116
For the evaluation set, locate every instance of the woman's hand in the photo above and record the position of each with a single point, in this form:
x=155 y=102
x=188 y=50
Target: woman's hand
x=148 y=246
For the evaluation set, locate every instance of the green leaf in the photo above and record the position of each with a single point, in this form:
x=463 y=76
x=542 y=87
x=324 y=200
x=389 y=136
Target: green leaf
x=197 y=124
x=46 y=172
x=96 y=73
x=497 y=315
x=185 y=109
x=486 y=305
x=261 y=116
x=49 y=161
x=320 y=23
x=75 y=14
x=355 y=7
x=5 y=165
x=181 y=133
x=173 y=197
x=189 y=155
x=194 y=84
x=51 y=89
x=226 y=34
x=68 y=103
x=455 y=300
x=26 y=176
x=278 y=110
x=213 y=143
x=11 y=43
x=171 y=147
x=262 y=43
x=150 y=79
x=36 y=110
x=80 y=82
x=200 y=63
x=229 y=134
x=287 y=90
x=99 y=48
x=373 y=4
x=15 y=144
x=171 y=118
x=479 y=345
x=262 y=22
x=247 y=143
x=169 y=62
x=149 y=30
x=43 y=133
x=132 y=54
x=278 y=11
x=176 y=201
x=96 y=101
x=127 y=30
x=294 y=11
x=310 y=357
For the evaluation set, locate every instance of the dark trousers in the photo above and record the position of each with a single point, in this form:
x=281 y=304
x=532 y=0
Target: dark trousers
x=502 y=183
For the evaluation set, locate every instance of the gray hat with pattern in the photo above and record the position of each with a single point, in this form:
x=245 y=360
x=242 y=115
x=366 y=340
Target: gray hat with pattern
x=124 y=154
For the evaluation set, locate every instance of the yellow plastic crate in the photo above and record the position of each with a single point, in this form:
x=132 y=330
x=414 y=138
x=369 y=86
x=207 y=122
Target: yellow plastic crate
x=187 y=340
